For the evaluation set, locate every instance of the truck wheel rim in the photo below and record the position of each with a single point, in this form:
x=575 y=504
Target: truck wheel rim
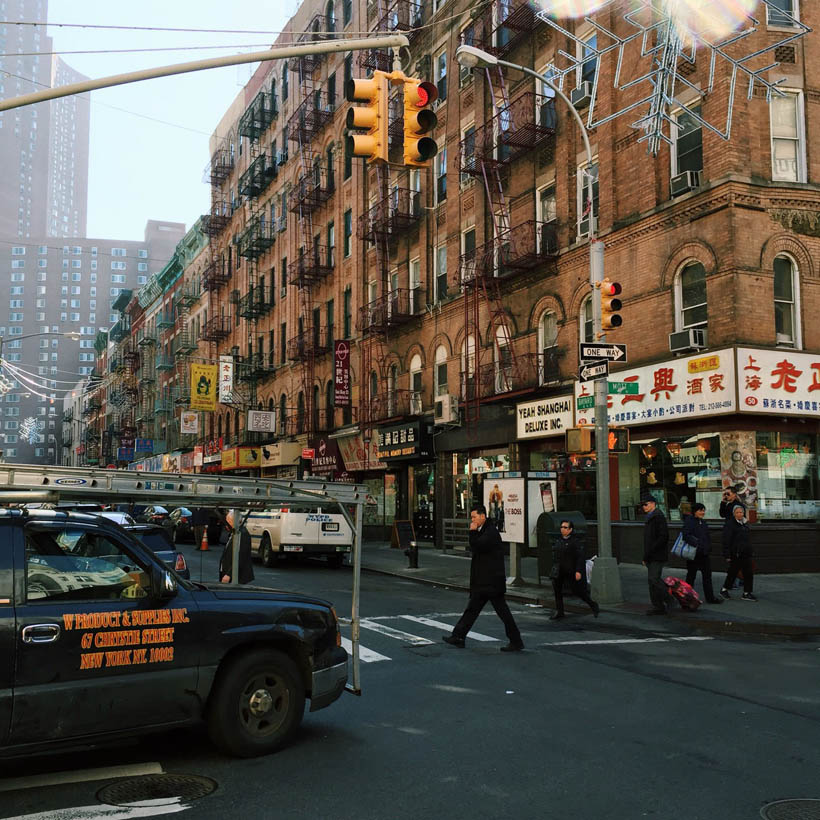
x=264 y=703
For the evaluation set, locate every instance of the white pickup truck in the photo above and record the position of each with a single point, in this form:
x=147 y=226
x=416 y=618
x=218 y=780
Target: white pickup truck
x=299 y=529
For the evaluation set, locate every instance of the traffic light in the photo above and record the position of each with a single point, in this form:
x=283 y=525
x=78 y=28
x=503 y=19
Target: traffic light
x=610 y=305
x=371 y=118
x=418 y=121
x=579 y=440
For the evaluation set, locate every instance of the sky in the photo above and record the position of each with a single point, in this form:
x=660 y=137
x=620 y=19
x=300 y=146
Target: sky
x=149 y=140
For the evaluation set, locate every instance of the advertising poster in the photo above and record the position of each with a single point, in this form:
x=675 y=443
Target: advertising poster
x=341 y=373
x=189 y=422
x=203 y=387
x=262 y=421
x=738 y=464
x=504 y=500
x=541 y=497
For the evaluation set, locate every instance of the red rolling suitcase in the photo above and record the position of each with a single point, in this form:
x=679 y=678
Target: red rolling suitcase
x=682 y=592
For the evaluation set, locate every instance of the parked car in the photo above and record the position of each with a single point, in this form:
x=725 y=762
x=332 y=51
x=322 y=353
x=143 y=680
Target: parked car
x=154 y=515
x=121 y=518
x=158 y=540
x=181 y=524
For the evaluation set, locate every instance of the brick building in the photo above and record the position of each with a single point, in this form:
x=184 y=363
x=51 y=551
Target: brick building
x=462 y=290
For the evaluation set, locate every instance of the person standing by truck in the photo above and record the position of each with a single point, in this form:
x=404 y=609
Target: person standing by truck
x=226 y=559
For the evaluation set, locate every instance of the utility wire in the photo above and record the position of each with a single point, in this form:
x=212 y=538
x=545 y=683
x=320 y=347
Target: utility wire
x=131 y=50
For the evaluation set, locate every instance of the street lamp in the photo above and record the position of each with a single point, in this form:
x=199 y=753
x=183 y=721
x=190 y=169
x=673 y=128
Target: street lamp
x=606 y=579
x=69 y=334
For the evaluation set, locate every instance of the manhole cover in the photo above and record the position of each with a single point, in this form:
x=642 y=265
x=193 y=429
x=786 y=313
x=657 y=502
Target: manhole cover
x=806 y=809
x=159 y=789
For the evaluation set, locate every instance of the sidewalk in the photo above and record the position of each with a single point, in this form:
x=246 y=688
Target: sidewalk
x=788 y=605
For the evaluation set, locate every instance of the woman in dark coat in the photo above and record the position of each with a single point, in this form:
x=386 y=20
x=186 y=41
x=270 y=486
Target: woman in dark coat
x=568 y=563
x=737 y=549
x=696 y=533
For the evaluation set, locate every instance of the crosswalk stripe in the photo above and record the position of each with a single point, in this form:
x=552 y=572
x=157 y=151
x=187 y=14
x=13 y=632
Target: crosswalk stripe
x=476 y=636
x=415 y=640
x=365 y=655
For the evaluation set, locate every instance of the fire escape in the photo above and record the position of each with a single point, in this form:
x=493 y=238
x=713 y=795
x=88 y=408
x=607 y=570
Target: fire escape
x=146 y=381
x=314 y=186
x=523 y=125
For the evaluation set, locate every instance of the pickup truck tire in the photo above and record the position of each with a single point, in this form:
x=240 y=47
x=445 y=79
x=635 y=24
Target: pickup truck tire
x=256 y=704
x=269 y=558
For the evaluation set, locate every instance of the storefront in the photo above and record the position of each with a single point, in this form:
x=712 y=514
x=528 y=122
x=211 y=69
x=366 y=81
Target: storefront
x=327 y=459
x=280 y=459
x=211 y=456
x=361 y=460
x=407 y=449
x=240 y=461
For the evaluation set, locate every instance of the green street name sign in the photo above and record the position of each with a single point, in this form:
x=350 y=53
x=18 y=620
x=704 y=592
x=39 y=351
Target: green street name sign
x=586 y=402
x=623 y=388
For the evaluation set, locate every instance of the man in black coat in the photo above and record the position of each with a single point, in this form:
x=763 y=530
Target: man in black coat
x=245 y=559
x=655 y=554
x=568 y=563
x=488 y=582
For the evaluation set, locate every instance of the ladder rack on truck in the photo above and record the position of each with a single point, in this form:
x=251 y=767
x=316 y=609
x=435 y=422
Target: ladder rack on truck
x=31 y=483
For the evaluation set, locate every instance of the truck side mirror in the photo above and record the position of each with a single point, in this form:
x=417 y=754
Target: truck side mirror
x=163 y=584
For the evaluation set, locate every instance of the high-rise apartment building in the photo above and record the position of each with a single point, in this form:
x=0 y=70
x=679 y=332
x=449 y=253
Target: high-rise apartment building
x=43 y=187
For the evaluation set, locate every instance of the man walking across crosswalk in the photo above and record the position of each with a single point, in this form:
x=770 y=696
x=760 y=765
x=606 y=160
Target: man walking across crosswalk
x=488 y=582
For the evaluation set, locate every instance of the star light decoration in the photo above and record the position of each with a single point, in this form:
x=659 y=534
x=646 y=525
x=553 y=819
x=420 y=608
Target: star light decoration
x=668 y=34
x=30 y=429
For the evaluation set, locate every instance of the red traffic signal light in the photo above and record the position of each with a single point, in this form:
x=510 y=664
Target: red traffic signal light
x=419 y=121
x=610 y=305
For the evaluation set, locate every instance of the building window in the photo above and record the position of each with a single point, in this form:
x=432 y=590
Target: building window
x=441 y=175
x=441 y=371
x=348 y=312
x=547 y=339
x=781 y=12
x=441 y=273
x=587 y=326
x=348 y=225
x=788 y=138
x=691 y=297
x=441 y=76
x=348 y=160
x=585 y=210
x=331 y=245
x=786 y=300
x=687 y=153
x=586 y=52
x=347 y=11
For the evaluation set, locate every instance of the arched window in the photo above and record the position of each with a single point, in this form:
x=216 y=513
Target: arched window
x=274 y=103
x=315 y=409
x=440 y=373
x=283 y=415
x=547 y=338
x=786 y=303
x=228 y=425
x=270 y=404
x=300 y=413
x=468 y=379
x=690 y=297
x=502 y=357
x=416 y=403
x=392 y=384
x=587 y=333
x=374 y=390
x=285 y=87
x=330 y=16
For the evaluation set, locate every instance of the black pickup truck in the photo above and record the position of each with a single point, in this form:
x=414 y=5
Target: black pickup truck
x=100 y=639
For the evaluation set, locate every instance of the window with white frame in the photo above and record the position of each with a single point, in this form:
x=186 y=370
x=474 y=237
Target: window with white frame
x=588 y=58
x=585 y=208
x=440 y=372
x=782 y=12
x=690 y=297
x=467 y=153
x=18 y=277
x=468 y=253
x=545 y=99
x=441 y=175
x=503 y=360
x=441 y=75
x=118 y=252
x=118 y=265
x=547 y=340
x=437 y=4
x=547 y=218
x=441 y=273
x=587 y=333
x=415 y=384
x=416 y=298
x=465 y=73
x=786 y=303
x=788 y=137
x=687 y=139
x=468 y=375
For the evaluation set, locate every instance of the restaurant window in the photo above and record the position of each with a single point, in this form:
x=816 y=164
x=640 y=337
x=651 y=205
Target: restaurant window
x=787 y=476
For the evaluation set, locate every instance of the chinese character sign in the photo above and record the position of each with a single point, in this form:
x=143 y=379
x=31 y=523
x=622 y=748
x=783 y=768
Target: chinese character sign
x=262 y=421
x=203 y=387
x=226 y=379
x=341 y=373
x=688 y=387
x=778 y=381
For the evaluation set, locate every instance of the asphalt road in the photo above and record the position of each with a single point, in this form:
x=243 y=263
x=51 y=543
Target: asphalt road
x=604 y=718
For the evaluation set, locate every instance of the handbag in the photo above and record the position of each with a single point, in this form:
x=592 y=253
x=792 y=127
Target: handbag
x=683 y=550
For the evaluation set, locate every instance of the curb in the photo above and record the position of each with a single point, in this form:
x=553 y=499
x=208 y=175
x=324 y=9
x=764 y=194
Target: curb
x=721 y=627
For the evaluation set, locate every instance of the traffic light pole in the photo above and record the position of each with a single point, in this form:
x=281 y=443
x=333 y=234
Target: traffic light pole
x=606 y=579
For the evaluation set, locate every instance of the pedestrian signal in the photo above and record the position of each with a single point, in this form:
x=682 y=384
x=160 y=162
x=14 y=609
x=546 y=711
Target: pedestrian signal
x=610 y=305
x=370 y=118
x=419 y=121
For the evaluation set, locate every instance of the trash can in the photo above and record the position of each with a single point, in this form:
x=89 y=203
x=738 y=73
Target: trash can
x=548 y=528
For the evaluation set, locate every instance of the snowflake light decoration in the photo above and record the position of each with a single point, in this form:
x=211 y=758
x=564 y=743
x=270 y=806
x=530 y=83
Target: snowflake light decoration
x=668 y=34
x=31 y=428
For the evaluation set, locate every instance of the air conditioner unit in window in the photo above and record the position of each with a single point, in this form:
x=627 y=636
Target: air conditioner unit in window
x=446 y=410
x=693 y=338
x=581 y=95
x=682 y=183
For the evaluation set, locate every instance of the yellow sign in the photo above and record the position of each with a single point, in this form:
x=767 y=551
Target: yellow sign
x=229 y=459
x=250 y=457
x=203 y=386
x=703 y=364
